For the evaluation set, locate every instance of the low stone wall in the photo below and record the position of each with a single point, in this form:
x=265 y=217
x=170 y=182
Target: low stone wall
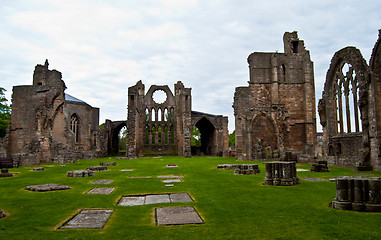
x=358 y=194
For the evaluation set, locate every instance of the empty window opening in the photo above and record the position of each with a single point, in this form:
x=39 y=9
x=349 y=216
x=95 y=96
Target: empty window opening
x=172 y=117
x=153 y=135
x=159 y=114
x=347 y=96
x=165 y=115
x=159 y=137
x=172 y=135
x=295 y=46
x=147 y=114
x=153 y=114
x=146 y=133
x=166 y=135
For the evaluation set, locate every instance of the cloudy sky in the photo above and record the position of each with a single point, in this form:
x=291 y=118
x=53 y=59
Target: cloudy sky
x=104 y=47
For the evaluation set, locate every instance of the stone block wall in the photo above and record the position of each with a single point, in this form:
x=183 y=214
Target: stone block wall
x=277 y=109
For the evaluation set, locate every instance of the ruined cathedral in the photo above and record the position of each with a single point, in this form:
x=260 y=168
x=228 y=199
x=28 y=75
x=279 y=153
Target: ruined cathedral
x=277 y=110
x=274 y=116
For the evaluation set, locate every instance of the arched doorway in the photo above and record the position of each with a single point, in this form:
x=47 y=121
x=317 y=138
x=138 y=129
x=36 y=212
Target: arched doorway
x=264 y=133
x=119 y=138
x=207 y=135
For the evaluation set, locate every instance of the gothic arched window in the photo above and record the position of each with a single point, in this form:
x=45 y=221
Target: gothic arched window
x=74 y=127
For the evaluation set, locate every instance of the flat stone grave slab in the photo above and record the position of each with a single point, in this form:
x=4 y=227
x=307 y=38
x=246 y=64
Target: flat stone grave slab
x=80 y=173
x=169 y=185
x=127 y=170
x=180 y=197
x=134 y=200
x=89 y=219
x=37 y=169
x=140 y=177
x=101 y=190
x=312 y=179
x=105 y=181
x=177 y=216
x=171 y=180
x=154 y=199
x=170 y=176
x=171 y=166
x=97 y=168
x=46 y=187
x=302 y=170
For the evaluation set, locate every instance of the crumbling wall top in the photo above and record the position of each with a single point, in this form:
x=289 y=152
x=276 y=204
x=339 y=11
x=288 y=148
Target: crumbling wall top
x=42 y=76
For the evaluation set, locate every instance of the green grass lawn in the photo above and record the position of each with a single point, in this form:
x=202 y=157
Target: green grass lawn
x=232 y=206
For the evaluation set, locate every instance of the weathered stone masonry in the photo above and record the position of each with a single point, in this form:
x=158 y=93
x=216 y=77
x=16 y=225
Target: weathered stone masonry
x=48 y=125
x=350 y=110
x=166 y=127
x=277 y=109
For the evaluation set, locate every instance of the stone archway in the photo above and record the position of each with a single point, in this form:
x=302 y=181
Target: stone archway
x=264 y=132
x=208 y=138
x=117 y=126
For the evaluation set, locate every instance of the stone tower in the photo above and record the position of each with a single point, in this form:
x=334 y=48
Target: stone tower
x=277 y=109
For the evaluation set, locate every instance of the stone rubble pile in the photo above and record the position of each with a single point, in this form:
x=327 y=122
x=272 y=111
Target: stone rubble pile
x=80 y=173
x=5 y=173
x=97 y=168
x=47 y=187
x=107 y=163
x=320 y=166
x=247 y=169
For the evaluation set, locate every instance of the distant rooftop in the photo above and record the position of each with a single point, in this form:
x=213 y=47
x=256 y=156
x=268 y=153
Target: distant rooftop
x=70 y=98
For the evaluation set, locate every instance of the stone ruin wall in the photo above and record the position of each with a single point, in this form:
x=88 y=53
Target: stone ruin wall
x=351 y=128
x=176 y=123
x=277 y=109
x=39 y=127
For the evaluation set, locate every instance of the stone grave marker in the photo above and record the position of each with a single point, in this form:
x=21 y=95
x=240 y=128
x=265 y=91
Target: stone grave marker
x=176 y=180
x=170 y=176
x=140 y=177
x=101 y=190
x=89 y=219
x=127 y=170
x=169 y=185
x=46 y=187
x=312 y=179
x=105 y=181
x=37 y=169
x=97 y=168
x=180 y=197
x=177 y=216
x=154 y=199
x=107 y=163
x=171 y=166
x=80 y=173
x=132 y=201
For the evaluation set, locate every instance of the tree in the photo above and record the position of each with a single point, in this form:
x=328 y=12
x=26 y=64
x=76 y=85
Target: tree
x=232 y=139
x=5 y=113
x=196 y=137
x=123 y=139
